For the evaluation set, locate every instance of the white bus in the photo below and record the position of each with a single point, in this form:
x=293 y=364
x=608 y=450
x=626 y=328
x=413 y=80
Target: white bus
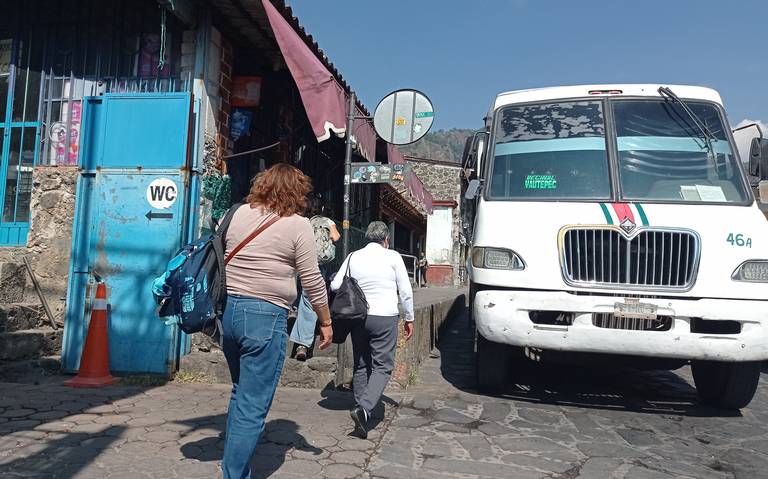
x=618 y=220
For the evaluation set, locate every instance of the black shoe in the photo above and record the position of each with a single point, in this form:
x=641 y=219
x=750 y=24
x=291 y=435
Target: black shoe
x=301 y=353
x=360 y=418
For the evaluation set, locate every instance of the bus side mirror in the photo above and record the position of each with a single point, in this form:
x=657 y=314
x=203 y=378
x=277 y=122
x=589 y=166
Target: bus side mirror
x=758 y=158
x=473 y=189
x=473 y=152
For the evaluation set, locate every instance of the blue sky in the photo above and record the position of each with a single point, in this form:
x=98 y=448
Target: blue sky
x=461 y=54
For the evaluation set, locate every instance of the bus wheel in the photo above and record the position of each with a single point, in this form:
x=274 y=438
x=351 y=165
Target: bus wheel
x=726 y=385
x=492 y=364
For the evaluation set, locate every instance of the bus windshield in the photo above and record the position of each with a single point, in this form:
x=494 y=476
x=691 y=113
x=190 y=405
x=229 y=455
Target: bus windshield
x=664 y=156
x=553 y=150
x=558 y=151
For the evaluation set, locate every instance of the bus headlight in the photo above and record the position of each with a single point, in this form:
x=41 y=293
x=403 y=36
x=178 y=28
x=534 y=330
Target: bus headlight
x=753 y=271
x=496 y=258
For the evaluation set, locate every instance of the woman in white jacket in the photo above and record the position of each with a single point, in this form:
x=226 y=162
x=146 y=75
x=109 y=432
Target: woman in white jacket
x=382 y=276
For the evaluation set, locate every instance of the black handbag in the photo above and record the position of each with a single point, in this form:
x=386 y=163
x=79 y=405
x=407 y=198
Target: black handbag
x=350 y=303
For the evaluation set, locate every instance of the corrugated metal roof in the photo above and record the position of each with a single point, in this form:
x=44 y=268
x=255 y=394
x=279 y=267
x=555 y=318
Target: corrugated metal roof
x=250 y=19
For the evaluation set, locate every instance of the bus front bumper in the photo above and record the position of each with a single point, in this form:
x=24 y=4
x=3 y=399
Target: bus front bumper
x=503 y=316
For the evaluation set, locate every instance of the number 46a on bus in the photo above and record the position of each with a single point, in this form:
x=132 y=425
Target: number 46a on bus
x=739 y=240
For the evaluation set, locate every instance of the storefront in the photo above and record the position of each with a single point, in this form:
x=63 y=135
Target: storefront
x=52 y=55
x=101 y=100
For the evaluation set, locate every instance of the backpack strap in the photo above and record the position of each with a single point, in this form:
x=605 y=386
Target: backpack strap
x=251 y=237
x=219 y=239
x=226 y=220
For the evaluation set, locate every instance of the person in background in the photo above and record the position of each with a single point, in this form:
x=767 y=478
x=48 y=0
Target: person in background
x=382 y=276
x=326 y=235
x=421 y=270
x=261 y=285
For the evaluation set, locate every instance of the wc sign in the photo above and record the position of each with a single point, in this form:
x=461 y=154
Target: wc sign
x=162 y=193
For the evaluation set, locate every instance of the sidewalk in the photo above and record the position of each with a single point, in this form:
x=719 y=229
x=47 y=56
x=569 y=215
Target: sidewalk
x=176 y=430
x=172 y=431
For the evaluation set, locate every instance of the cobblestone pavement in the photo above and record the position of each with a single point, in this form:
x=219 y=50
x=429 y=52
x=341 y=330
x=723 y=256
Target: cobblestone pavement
x=563 y=422
x=48 y=431
x=557 y=422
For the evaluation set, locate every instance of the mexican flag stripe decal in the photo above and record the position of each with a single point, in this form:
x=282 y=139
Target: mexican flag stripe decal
x=623 y=212
x=606 y=213
x=641 y=213
x=616 y=213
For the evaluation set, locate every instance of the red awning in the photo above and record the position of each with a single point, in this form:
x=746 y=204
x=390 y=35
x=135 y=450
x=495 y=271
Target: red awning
x=325 y=101
x=413 y=183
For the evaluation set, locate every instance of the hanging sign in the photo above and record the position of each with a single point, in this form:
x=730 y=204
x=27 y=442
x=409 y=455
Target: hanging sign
x=378 y=173
x=162 y=193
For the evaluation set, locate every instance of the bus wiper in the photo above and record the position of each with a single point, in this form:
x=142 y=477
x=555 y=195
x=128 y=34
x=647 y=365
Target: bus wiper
x=706 y=133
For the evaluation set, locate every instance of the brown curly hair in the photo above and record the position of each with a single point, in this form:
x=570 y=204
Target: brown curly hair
x=281 y=189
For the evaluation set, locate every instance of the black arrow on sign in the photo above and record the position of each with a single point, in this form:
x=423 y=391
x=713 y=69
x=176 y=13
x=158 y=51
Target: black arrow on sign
x=151 y=214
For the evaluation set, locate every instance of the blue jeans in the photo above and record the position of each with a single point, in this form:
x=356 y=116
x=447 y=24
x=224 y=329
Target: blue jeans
x=303 y=331
x=254 y=340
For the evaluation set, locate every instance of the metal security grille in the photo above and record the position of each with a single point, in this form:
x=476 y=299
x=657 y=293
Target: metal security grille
x=108 y=47
x=653 y=259
x=609 y=321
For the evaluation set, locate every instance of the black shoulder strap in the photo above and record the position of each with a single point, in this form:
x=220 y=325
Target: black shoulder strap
x=349 y=263
x=227 y=219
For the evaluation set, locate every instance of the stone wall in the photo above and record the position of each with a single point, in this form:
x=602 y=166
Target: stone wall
x=430 y=317
x=49 y=243
x=433 y=307
x=441 y=180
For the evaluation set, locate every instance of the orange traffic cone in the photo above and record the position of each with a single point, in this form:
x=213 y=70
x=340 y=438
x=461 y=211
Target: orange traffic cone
x=94 y=364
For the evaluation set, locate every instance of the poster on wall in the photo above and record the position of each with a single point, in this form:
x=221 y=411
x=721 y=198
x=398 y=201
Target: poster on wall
x=149 y=56
x=6 y=47
x=241 y=123
x=246 y=91
x=60 y=153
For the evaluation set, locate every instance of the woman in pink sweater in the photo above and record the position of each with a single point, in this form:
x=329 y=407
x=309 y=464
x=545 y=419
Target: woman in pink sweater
x=261 y=285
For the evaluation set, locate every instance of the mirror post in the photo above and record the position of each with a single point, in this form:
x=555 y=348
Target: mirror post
x=341 y=349
x=348 y=174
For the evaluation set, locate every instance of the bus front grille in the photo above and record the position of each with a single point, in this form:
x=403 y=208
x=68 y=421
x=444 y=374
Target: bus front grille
x=650 y=259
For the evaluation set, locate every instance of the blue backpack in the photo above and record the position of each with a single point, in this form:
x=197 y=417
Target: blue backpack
x=193 y=290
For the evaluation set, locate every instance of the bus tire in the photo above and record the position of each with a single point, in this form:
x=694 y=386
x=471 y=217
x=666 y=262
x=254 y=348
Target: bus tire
x=726 y=385
x=492 y=364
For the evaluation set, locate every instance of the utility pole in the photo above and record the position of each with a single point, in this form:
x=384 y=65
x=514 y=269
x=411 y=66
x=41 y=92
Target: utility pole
x=341 y=349
x=348 y=173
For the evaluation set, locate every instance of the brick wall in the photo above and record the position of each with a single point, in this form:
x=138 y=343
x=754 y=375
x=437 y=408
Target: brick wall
x=225 y=91
x=188 y=45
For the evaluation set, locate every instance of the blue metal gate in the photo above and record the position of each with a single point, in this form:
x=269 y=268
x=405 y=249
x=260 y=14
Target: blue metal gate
x=132 y=214
x=19 y=137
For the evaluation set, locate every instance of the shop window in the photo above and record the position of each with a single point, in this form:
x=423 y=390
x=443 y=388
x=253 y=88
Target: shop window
x=18 y=182
x=26 y=94
x=6 y=46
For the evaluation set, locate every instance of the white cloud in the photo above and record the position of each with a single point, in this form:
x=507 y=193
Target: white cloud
x=744 y=137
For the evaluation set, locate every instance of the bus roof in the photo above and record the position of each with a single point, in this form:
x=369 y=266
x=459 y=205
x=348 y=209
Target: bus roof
x=580 y=91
